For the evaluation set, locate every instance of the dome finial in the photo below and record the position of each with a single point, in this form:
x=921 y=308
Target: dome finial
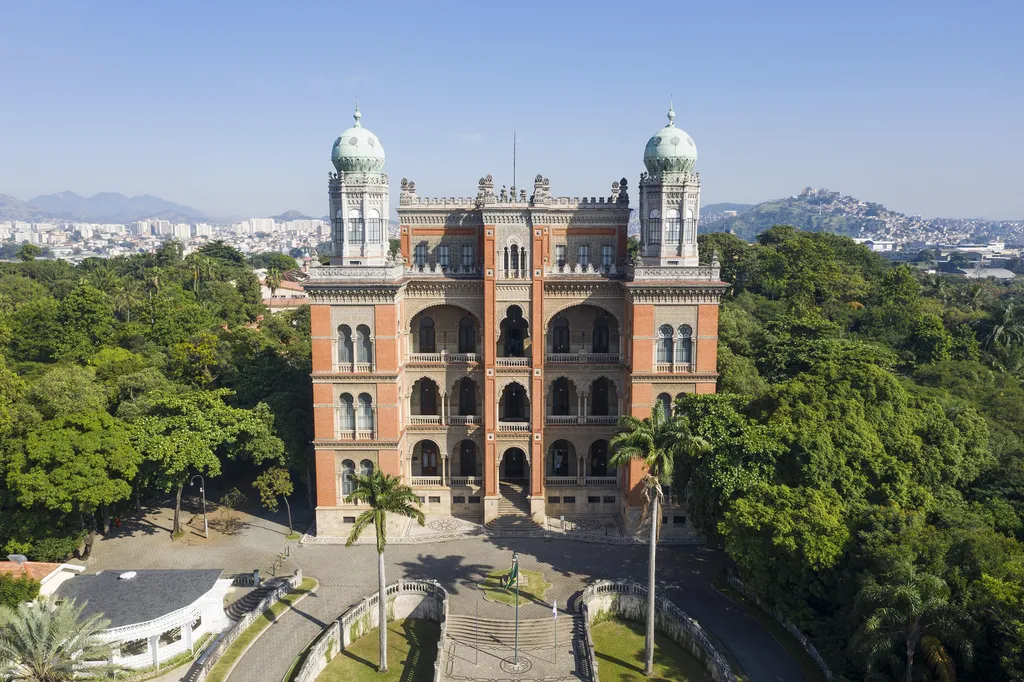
x=671 y=112
x=357 y=115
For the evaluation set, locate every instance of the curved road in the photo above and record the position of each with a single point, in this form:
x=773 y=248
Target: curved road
x=347 y=575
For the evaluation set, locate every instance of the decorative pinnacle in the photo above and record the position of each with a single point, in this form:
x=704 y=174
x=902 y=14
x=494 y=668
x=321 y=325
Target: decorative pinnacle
x=357 y=115
x=671 y=113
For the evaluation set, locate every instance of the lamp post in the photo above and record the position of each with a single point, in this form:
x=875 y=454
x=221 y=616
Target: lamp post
x=202 y=489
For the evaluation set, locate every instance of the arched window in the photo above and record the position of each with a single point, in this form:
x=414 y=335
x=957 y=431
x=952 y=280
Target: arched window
x=602 y=338
x=344 y=344
x=599 y=397
x=364 y=346
x=515 y=330
x=427 y=335
x=366 y=468
x=374 y=226
x=365 y=414
x=428 y=458
x=685 y=344
x=348 y=475
x=690 y=237
x=356 y=228
x=467 y=335
x=599 y=458
x=666 y=403
x=560 y=335
x=654 y=227
x=560 y=456
x=514 y=252
x=346 y=412
x=428 y=397
x=560 y=396
x=467 y=397
x=672 y=226
x=467 y=458
x=338 y=232
x=514 y=402
x=665 y=343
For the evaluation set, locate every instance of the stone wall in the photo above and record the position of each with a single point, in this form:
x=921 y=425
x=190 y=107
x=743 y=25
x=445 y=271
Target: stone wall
x=628 y=600
x=405 y=599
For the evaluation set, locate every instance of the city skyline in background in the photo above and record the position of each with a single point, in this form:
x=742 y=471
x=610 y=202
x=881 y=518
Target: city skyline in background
x=235 y=112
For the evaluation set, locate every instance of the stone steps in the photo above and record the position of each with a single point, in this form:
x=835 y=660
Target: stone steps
x=513 y=509
x=251 y=599
x=533 y=633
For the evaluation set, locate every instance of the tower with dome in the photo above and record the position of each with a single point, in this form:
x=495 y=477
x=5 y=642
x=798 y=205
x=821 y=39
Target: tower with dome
x=488 y=359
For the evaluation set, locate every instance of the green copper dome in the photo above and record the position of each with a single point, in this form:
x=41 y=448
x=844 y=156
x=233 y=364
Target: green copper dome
x=358 y=150
x=670 y=149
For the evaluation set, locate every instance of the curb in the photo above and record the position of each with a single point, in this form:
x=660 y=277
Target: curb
x=227 y=675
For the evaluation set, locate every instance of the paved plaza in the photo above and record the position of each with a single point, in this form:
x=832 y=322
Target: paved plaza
x=347 y=575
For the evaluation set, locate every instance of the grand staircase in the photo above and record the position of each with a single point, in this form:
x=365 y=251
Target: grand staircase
x=533 y=634
x=513 y=508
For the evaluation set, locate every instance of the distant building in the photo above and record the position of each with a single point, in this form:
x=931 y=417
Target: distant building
x=983 y=273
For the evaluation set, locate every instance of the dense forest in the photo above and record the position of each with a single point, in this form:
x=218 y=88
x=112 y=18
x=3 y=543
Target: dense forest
x=866 y=470
x=120 y=378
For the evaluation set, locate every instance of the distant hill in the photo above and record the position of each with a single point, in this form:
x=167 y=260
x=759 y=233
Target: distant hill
x=814 y=211
x=722 y=208
x=291 y=214
x=113 y=207
x=16 y=209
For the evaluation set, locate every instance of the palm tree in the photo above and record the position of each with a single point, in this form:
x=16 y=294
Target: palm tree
x=127 y=296
x=657 y=442
x=45 y=641
x=386 y=495
x=1005 y=326
x=273 y=281
x=908 y=614
x=101 y=278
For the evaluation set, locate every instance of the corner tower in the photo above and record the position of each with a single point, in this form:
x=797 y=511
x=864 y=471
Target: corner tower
x=358 y=198
x=669 y=198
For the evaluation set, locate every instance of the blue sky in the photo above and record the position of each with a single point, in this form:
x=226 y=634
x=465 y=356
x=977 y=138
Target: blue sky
x=233 y=107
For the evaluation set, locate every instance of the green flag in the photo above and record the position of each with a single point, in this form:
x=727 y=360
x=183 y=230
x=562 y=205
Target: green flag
x=513 y=575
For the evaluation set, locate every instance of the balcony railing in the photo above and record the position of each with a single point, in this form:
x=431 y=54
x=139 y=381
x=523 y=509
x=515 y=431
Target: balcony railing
x=349 y=433
x=513 y=362
x=603 y=419
x=431 y=419
x=570 y=419
x=562 y=419
x=514 y=427
x=428 y=480
x=562 y=480
x=464 y=419
x=350 y=366
x=601 y=480
x=575 y=269
x=444 y=356
x=674 y=367
x=582 y=480
x=587 y=358
x=437 y=270
x=467 y=480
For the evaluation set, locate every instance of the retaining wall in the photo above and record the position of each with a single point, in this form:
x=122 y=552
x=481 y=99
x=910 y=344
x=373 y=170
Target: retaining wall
x=628 y=600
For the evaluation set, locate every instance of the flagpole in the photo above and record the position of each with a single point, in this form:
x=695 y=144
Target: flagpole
x=515 y=561
x=554 y=621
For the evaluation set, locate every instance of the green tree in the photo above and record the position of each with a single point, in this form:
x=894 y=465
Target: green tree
x=34 y=330
x=29 y=252
x=657 y=441
x=85 y=321
x=385 y=495
x=185 y=433
x=910 y=614
x=128 y=294
x=929 y=340
x=53 y=642
x=273 y=282
x=66 y=390
x=273 y=483
x=1005 y=326
x=218 y=249
x=15 y=590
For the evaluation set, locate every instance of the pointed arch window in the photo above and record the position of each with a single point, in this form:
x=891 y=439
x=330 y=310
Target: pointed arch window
x=665 y=343
x=654 y=227
x=672 y=226
x=560 y=456
x=365 y=415
x=348 y=477
x=346 y=412
x=366 y=468
x=467 y=397
x=666 y=403
x=374 y=227
x=356 y=227
x=364 y=346
x=427 y=335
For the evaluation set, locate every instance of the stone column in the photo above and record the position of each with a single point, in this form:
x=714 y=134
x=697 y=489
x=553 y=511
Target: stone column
x=186 y=632
x=154 y=649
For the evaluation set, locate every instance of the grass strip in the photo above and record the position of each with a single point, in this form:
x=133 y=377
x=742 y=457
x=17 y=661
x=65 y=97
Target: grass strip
x=238 y=647
x=532 y=588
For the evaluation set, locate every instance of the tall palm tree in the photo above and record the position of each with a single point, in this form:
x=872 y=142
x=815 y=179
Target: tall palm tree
x=386 y=495
x=101 y=278
x=127 y=295
x=273 y=281
x=909 y=614
x=46 y=641
x=657 y=441
x=1004 y=327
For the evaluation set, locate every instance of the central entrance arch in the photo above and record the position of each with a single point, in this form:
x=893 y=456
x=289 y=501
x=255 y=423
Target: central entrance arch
x=513 y=465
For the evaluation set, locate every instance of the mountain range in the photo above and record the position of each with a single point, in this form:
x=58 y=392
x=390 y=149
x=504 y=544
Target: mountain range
x=105 y=207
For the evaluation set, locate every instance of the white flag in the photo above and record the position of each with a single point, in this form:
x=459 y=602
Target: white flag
x=554 y=609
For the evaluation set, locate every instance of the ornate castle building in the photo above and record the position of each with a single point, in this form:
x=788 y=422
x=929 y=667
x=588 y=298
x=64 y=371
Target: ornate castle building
x=488 y=361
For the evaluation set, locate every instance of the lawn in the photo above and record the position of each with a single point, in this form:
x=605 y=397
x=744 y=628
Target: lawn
x=532 y=588
x=223 y=666
x=620 y=655
x=412 y=650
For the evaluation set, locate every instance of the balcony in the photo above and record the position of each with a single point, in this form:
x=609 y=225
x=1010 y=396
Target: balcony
x=346 y=433
x=513 y=427
x=445 y=357
x=582 y=481
x=573 y=419
x=561 y=480
x=674 y=367
x=464 y=419
x=561 y=419
x=467 y=481
x=578 y=270
x=430 y=481
x=585 y=358
x=513 y=362
x=425 y=419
